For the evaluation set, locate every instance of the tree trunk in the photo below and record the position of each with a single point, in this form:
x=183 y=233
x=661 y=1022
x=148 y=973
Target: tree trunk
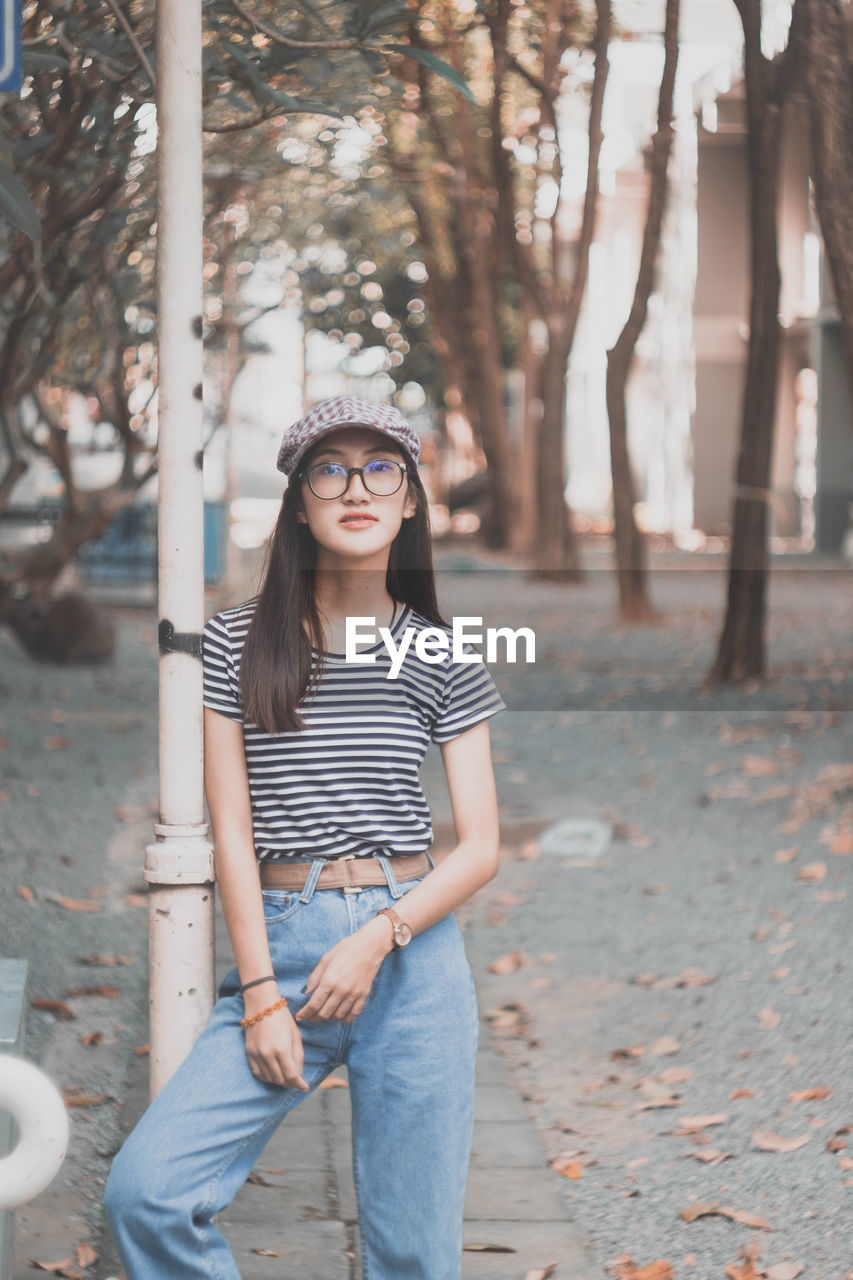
x=829 y=82
x=741 y=650
x=556 y=544
x=631 y=566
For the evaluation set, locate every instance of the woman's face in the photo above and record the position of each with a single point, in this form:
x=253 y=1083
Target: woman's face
x=359 y=525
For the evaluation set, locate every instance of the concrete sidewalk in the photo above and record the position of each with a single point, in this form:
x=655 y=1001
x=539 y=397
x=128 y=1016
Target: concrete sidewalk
x=300 y=1202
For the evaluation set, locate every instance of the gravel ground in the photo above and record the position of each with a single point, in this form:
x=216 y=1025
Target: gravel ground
x=608 y=723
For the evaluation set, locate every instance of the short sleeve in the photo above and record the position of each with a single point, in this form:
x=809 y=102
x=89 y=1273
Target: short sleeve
x=470 y=696
x=221 y=686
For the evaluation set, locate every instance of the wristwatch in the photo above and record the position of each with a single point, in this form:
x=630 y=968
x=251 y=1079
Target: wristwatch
x=402 y=931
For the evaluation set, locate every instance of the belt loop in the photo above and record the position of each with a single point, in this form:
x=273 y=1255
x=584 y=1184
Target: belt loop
x=317 y=865
x=396 y=891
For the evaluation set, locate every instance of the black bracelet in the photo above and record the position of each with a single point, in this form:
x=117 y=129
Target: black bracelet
x=256 y=981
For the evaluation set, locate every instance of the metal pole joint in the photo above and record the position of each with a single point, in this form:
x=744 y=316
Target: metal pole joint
x=181 y=854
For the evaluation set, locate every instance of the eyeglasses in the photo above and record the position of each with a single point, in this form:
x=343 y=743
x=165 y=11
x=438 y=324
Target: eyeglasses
x=380 y=476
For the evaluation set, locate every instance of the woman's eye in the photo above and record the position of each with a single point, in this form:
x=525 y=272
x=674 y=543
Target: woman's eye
x=329 y=469
x=379 y=467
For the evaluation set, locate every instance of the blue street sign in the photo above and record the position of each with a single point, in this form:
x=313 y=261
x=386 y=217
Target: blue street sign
x=10 y=44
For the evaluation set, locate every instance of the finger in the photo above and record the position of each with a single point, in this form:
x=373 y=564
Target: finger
x=318 y=999
x=346 y=1009
x=291 y=1072
x=266 y=1070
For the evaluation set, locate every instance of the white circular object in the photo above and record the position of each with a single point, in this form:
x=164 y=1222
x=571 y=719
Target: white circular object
x=42 y=1121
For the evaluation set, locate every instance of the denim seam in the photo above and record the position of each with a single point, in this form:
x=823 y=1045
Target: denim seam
x=362 y=1246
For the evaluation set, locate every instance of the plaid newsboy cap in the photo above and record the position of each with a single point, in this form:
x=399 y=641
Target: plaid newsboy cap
x=344 y=411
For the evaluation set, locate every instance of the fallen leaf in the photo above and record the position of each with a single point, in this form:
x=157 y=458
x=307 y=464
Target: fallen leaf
x=745 y=1271
x=745 y=1219
x=809 y=1095
x=142 y=1050
x=508 y=962
x=786 y=855
x=624 y=1268
x=812 y=873
x=26 y=893
x=568 y=1168
x=106 y=960
x=78 y=904
x=741 y=1093
x=112 y=993
x=778 y=975
x=57 y=743
x=665 y=1045
x=86 y=1255
x=845 y=1163
x=710 y=1155
x=767 y=1140
x=541 y=1273
x=487 y=1248
x=759 y=766
x=507 y=1017
x=814 y=797
x=57 y=1007
x=691 y=977
x=73 y=1099
x=93 y=1038
x=632 y=1051
x=698 y=1209
x=769 y=1018
x=65 y=1267
x=784 y=1271
x=675 y=1075
x=691 y=1124
x=267 y=1253
x=655 y=1094
x=842 y=845
x=333 y=1082
x=258 y=1180
x=136 y=899
x=778 y=791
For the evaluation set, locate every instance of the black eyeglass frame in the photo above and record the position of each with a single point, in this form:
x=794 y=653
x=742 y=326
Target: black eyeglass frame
x=305 y=474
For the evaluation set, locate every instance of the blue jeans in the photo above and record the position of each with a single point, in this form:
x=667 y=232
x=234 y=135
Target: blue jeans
x=410 y=1058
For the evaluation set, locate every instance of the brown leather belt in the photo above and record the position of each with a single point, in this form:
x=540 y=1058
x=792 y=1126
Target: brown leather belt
x=347 y=872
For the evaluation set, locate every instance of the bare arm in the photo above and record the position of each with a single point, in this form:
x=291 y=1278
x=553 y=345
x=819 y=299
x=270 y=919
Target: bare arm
x=273 y=1045
x=337 y=984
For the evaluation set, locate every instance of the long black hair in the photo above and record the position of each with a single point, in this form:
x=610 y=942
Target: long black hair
x=277 y=660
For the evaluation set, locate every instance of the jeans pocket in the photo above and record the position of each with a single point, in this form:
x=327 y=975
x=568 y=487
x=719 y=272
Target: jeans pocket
x=279 y=905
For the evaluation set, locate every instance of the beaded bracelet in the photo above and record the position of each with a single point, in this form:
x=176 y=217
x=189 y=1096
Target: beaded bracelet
x=256 y=1017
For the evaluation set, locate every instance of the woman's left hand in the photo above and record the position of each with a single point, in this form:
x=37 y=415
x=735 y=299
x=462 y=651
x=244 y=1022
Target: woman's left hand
x=340 y=984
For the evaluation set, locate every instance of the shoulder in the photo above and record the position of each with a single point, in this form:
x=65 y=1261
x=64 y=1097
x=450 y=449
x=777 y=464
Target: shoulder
x=229 y=626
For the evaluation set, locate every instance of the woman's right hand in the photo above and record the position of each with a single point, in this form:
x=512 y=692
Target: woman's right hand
x=274 y=1049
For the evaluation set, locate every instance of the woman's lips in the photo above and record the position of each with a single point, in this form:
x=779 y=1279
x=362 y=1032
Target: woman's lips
x=357 y=522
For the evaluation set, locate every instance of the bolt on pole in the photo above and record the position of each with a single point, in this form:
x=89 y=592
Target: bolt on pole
x=179 y=865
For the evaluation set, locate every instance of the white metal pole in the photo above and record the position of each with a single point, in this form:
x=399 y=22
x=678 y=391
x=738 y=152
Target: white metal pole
x=179 y=865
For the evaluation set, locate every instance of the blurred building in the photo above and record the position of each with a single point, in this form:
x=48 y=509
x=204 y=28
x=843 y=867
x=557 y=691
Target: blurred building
x=686 y=387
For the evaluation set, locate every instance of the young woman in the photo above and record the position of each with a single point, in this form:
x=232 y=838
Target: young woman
x=340 y=921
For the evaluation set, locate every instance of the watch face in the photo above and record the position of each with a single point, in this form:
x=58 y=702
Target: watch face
x=402 y=934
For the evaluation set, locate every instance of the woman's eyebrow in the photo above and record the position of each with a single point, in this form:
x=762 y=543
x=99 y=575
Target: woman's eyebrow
x=374 y=448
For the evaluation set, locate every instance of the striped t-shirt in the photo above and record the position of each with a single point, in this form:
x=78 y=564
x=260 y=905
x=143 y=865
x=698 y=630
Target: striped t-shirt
x=349 y=781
